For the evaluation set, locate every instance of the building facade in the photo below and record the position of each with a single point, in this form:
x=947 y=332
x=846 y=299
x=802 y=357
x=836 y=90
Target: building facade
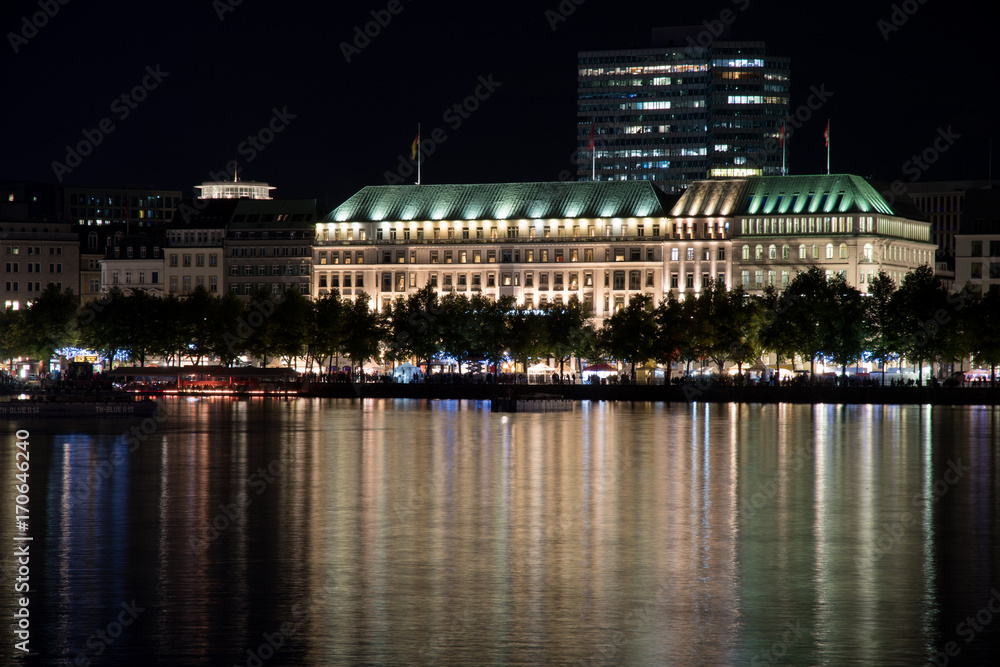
x=604 y=242
x=942 y=202
x=680 y=112
x=36 y=254
x=143 y=207
x=782 y=225
x=134 y=263
x=977 y=245
x=269 y=246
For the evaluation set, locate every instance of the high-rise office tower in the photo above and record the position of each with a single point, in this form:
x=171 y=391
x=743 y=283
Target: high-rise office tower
x=681 y=111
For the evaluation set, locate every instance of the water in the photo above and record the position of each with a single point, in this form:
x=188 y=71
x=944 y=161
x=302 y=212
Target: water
x=411 y=532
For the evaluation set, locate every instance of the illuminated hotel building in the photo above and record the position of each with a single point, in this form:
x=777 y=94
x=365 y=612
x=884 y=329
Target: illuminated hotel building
x=786 y=224
x=537 y=242
x=604 y=242
x=678 y=112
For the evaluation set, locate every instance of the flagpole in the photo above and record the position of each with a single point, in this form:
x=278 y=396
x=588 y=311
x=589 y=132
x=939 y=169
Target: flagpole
x=593 y=164
x=783 y=148
x=827 y=146
x=418 y=154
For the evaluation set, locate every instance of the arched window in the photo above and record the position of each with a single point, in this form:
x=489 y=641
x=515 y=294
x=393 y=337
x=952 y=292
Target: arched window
x=759 y=252
x=802 y=252
x=746 y=252
x=868 y=252
x=772 y=252
x=785 y=252
x=843 y=251
x=829 y=251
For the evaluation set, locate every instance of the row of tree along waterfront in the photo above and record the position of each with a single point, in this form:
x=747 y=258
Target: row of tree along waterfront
x=813 y=318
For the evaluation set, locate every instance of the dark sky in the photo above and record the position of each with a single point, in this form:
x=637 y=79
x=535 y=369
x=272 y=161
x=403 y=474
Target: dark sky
x=352 y=120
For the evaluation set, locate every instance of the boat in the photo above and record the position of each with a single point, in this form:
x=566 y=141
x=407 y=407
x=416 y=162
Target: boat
x=98 y=406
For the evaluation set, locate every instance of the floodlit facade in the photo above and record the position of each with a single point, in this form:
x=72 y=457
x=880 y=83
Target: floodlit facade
x=604 y=242
x=782 y=225
x=537 y=242
x=679 y=113
x=134 y=264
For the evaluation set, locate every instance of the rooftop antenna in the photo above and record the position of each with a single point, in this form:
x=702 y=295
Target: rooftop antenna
x=236 y=168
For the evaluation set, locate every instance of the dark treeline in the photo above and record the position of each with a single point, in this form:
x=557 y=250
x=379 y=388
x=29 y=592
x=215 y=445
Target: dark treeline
x=814 y=318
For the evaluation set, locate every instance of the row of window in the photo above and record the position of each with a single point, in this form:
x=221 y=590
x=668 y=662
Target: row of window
x=977 y=270
x=276 y=270
x=976 y=249
x=199 y=259
x=817 y=225
x=303 y=251
x=15 y=286
x=154 y=278
x=33 y=267
x=130 y=252
x=248 y=289
x=33 y=250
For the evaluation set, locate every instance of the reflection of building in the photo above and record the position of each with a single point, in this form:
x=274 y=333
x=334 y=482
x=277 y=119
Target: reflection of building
x=680 y=112
x=977 y=257
x=35 y=254
x=786 y=224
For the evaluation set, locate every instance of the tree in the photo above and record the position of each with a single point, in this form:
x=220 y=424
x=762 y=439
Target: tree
x=327 y=332
x=921 y=307
x=364 y=330
x=491 y=335
x=228 y=318
x=669 y=317
x=527 y=334
x=456 y=324
x=262 y=339
x=881 y=325
x=199 y=322
x=808 y=313
x=566 y=331
x=103 y=324
x=844 y=339
x=985 y=329
x=293 y=315
x=739 y=327
x=49 y=322
x=629 y=334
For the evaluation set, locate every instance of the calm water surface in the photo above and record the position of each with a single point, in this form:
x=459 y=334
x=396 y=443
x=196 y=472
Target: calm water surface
x=320 y=532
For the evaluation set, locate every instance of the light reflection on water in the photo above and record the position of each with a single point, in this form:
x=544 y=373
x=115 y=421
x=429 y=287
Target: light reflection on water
x=435 y=532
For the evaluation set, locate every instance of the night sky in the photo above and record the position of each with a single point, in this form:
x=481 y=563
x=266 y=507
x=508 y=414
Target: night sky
x=225 y=69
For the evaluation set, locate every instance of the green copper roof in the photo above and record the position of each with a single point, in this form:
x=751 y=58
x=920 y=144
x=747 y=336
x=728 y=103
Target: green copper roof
x=827 y=193
x=779 y=195
x=504 y=201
